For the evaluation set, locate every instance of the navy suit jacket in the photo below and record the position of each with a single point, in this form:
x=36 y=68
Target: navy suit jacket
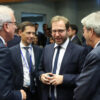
x=88 y=83
x=70 y=68
x=7 y=91
x=76 y=40
x=18 y=67
x=14 y=41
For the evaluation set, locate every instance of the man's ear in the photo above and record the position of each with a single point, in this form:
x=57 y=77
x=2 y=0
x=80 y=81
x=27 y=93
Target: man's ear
x=74 y=31
x=6 y=27
x=92 y=33
x=20 y=32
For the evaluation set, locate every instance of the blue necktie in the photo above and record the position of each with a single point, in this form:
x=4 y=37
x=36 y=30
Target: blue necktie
x=56 y=60
x=54 y=71
x=27 y=55
x=29 y=59
x=31 y=68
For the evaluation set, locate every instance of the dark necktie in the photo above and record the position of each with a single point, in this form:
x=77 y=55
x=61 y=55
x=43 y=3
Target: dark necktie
x=56 y=60
x=27 y=55
x=54 y=71
x=31 y=68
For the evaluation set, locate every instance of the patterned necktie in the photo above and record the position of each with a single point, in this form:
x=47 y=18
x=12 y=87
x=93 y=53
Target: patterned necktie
x=27 y=55
x=31 y=68
x=29 y=60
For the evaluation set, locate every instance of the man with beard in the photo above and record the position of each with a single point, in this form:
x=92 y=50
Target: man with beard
x=60 y=64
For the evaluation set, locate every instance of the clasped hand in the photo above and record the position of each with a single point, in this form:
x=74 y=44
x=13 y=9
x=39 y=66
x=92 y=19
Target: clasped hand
x=51 y=79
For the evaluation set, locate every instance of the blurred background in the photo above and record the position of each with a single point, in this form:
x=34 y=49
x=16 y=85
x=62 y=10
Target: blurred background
x=41 y=11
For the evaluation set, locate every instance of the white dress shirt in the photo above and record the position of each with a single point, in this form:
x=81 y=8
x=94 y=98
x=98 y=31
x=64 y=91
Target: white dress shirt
x=60 y=58
x=61 y=55
x=3 y=40
x=73 y=37
x=26 y=68
x=96 y=44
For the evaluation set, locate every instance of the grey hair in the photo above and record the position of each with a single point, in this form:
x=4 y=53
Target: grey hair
x=92 y=21
x=5 y=16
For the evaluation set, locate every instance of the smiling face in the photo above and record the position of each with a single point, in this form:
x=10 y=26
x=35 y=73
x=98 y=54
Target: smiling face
x=59 y=32
x=27 y=35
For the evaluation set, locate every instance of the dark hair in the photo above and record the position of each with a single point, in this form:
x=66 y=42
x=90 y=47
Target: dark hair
x=45 y=25
x=67 y=25
x=24 y=24
x=36 y=24
x=74 y=27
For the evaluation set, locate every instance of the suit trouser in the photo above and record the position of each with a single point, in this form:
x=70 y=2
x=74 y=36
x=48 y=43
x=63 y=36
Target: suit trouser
x=30 y=96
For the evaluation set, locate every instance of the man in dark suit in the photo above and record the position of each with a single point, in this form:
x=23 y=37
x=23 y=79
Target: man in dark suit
x=58 y=76
x=24 y=70
x=7 y=29
x=72 y=33
x=14 y=41
x=87 y=47
x=42 y=36
x=88 y=83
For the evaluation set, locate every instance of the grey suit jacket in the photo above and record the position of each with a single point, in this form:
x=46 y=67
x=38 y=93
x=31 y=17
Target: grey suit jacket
x=88 y=83
x=70 y=68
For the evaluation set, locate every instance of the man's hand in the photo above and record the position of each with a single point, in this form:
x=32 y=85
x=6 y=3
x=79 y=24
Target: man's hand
x=45 y=78
x=23 y=94
x=56 y=79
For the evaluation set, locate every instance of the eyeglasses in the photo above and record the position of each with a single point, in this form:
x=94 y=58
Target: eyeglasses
x=59 y=31
x=15 y=23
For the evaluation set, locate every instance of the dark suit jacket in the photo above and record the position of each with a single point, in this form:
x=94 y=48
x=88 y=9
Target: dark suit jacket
x=76 y=40
x=7 y=91
x=88 y=83
x=70 y=68
x=42 y=39
x=14 y=41
x=18 y=67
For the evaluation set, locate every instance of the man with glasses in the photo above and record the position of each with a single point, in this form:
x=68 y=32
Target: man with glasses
x=88 y=82
x=7 y=29
x=60 y=64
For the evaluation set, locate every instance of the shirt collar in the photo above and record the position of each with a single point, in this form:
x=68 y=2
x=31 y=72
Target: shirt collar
x=64 y=45
x=96 y=44
x=22 y=45
x=2 y=40
x=73 y=37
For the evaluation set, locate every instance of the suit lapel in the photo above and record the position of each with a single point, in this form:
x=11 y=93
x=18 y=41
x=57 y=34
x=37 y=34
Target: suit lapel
x=51 y=53
x=35 y=52
x=18 y=53
x=98 y=44
x=75 y=38
x=66 y=57
x=1 y=41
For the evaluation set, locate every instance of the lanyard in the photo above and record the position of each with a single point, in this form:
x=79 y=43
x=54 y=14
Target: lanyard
x=30 y=65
